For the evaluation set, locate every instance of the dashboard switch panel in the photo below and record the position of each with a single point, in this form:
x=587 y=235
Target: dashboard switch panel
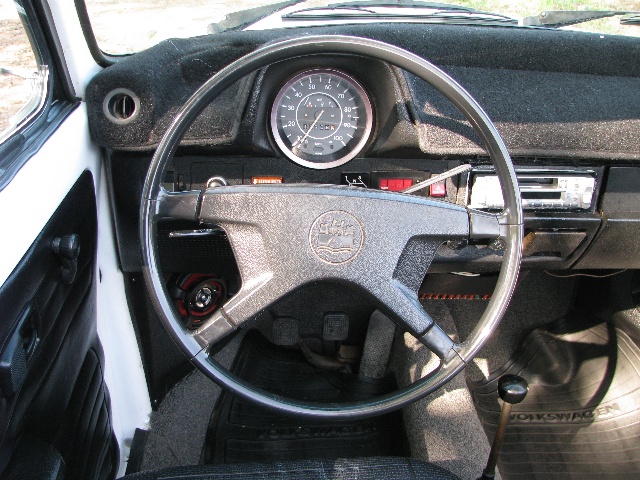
x=395 y=184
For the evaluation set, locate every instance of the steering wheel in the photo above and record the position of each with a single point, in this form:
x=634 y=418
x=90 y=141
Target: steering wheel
x=274 y=232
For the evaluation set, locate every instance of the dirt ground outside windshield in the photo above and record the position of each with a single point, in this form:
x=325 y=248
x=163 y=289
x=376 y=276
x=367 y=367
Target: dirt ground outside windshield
x=149 y=22
x=15 y=53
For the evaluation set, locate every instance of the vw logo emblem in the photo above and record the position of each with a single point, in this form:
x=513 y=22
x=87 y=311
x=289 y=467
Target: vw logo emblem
x=336 y=237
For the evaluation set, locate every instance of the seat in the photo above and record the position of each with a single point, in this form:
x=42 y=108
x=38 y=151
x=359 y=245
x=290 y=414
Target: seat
x=375 y=468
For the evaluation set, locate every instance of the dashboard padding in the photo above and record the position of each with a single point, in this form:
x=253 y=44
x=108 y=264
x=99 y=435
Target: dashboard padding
x=537 y=113
x=550 y=92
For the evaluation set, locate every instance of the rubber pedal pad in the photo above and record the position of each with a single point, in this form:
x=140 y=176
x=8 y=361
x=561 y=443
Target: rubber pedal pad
x=335 y=326
x=284 y=331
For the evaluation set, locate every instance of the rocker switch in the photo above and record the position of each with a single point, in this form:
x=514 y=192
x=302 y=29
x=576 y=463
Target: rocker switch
x=438 y=189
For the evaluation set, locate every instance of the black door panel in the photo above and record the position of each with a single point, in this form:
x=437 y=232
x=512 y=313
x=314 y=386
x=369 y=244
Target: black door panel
x=62 y=400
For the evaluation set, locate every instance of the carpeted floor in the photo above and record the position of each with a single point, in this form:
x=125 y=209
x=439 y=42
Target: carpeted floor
x=538 y=299
x=443 y=428
x=177 y=429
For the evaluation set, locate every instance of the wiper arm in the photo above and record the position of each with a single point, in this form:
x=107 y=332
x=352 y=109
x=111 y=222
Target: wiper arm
x=563 y=18
x=243 y=17
x=631 y=20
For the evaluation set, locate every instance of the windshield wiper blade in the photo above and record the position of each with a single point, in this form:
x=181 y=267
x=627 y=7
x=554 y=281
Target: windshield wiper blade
x=564 y=18
x=405 y=3
x=354 y=12
x=243 y=17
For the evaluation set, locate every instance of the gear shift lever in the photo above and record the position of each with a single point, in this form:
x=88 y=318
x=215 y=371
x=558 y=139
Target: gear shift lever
x=512 y=390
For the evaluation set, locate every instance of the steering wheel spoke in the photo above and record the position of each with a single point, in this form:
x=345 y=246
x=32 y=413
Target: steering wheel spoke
x=485 y=225
x=177 y=205
x=284 y=237
x=243 y=306
x=440 y=343
x=403 y=306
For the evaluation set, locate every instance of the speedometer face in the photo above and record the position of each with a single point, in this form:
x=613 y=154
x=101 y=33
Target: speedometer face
x=321 y=118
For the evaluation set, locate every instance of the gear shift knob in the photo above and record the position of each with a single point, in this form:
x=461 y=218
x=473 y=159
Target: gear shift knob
x=512 y=389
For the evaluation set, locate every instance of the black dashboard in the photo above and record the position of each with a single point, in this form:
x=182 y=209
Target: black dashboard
x=566 y=103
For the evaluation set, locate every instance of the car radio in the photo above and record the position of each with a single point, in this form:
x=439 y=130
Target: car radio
x=557 y=190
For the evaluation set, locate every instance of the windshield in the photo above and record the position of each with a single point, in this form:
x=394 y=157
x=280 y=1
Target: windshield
x=128 y=26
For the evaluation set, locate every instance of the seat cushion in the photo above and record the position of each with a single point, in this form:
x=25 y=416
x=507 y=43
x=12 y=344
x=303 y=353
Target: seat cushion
x=376 y=468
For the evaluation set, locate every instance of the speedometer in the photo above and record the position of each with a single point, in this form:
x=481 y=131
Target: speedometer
x=321 y=118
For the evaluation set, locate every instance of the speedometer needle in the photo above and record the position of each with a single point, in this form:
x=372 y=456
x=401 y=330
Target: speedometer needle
x=308 y=131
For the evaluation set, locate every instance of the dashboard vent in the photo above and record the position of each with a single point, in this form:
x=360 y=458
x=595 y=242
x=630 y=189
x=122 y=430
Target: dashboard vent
x=121 y=106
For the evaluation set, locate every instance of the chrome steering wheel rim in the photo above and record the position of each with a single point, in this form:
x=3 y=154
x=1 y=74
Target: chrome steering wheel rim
x=510 y=221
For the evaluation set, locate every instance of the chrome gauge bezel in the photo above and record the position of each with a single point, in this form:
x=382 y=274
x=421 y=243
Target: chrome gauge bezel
x=349 y=151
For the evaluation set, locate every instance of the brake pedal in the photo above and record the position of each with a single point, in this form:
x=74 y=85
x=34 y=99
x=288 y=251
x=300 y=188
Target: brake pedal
x=335 y=327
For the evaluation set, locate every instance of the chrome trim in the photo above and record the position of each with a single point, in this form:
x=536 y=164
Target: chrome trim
x=203 y=232
x=368 y=126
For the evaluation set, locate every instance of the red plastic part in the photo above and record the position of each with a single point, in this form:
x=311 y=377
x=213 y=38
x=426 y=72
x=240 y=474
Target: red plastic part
x=191 y=281
x=438 y=190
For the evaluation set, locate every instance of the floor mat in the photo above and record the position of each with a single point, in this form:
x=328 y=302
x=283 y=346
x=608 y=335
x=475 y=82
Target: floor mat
x=581 y=417
x=240 y=431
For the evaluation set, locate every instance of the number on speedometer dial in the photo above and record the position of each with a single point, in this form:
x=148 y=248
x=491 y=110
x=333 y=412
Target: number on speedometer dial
x=321 y=118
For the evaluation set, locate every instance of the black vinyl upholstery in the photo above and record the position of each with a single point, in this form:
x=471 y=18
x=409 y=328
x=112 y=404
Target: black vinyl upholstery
x=375 y=468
